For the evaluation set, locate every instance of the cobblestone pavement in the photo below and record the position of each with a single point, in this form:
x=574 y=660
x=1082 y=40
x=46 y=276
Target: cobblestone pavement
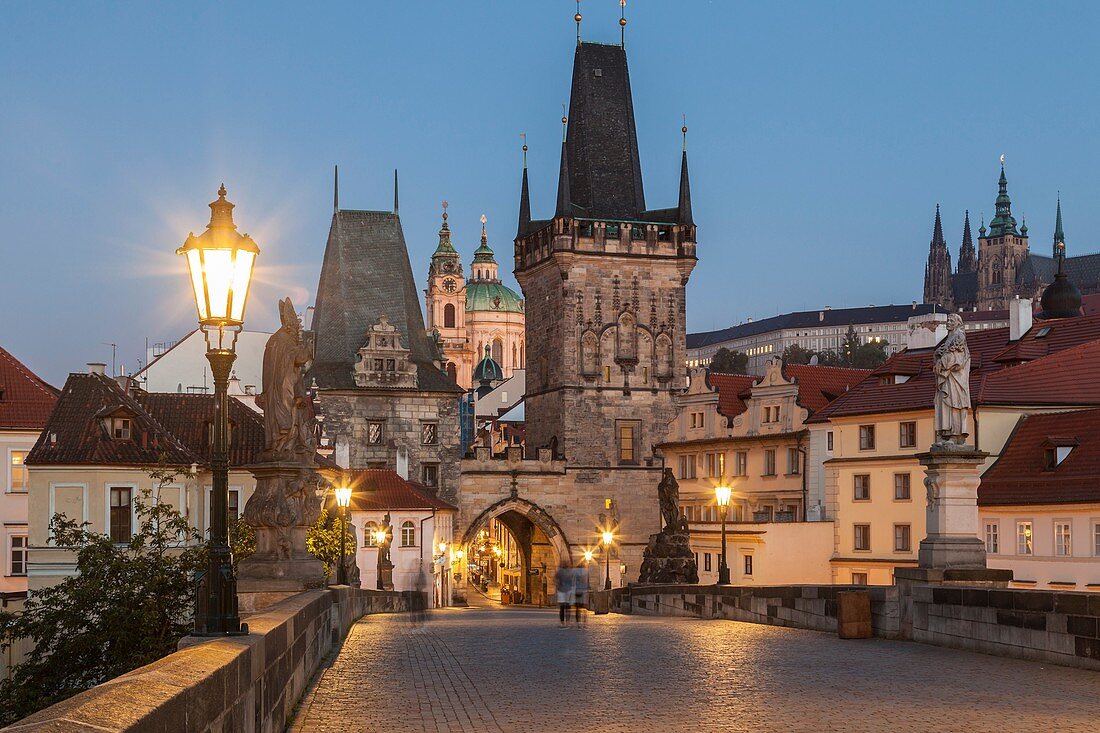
x=510 y=670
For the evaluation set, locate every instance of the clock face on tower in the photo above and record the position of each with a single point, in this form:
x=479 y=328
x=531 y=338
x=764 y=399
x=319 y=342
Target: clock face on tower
x=449 y=285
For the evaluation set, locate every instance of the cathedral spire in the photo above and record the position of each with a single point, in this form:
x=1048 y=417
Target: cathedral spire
x=445 y=248
x=1061 y=299
x=1003 y=223
x=968 y=259
x=937 y=272
x=524 y=196
x=685 y=187
x=1059 y=235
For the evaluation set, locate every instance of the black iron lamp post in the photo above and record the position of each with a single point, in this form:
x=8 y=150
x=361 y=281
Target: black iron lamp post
x=343 y=500
x=608 y=538
x=380 y=537
x=220 y=261
x=722 y=493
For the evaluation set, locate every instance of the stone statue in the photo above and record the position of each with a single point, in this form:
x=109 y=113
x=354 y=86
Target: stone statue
x=288 y=410
x=952 y=369
x=668 y=557
x=668 y=494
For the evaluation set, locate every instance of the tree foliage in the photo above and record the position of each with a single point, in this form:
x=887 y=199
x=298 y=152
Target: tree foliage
x=725 y=361
x=323 y=541
x=796 y=354
x=852 y=353
x=128 y=605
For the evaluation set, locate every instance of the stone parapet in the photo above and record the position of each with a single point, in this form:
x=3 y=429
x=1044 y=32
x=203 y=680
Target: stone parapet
x=244 y=684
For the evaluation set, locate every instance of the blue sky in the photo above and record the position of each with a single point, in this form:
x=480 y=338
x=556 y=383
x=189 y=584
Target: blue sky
x=822 y=135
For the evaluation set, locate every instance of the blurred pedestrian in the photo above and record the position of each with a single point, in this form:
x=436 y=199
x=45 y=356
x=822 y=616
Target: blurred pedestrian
x=563 y=587
x=580 y=590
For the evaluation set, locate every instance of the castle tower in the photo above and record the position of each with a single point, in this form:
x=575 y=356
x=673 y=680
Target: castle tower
x=445 y=304
x=494 y=313
x=1001 y=251
x=604 y=283
x=968 y=256
x=937 y=272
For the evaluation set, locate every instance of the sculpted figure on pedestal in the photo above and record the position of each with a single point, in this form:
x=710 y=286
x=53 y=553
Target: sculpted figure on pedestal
x=952 y=369
x=288 y=411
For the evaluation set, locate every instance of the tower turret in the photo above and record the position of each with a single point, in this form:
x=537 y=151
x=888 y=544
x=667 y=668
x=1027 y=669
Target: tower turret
x=968 y=256
x=937 y=272
x=1061 y=299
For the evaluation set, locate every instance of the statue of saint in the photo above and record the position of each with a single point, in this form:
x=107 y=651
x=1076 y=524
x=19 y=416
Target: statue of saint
x=288 y=410
x=952 y=369
x=668 y=493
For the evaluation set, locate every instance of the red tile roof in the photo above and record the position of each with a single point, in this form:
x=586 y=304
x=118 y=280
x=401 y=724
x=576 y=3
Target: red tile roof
x=732 y=389
x=25 y=400
x=1068 y=377
x=168 y=428
x=382 y=489
x=991 y=353
x=1020 y=476
x=820 y=385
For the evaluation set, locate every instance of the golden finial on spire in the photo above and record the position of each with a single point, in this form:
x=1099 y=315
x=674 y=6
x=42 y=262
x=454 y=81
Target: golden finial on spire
x=523 y=136
x=483 y=220
x=445 y=205
x=564 y=122
x=622 y=23
x=684 y=130
x=577 y=18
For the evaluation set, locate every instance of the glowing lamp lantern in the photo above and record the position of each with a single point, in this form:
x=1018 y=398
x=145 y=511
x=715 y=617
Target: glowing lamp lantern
x=608 y=537
x=343 y=500
x=221 y=261
x=722 y=494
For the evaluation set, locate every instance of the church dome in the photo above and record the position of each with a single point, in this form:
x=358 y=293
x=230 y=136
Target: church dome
x=488 y=295
x=487 y=370
x=1061 y=299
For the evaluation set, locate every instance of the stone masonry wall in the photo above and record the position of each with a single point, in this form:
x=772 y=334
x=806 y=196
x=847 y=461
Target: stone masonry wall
x=242 y=684
x=347 y=413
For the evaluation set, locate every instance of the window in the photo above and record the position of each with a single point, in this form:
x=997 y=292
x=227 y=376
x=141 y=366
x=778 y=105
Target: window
x=629 y=435
x=901 y=538
x=234 y=506
x=430 y=474
x=741 y=463
x=645 y=375
x=18 y=555
x=1063 y=547
x=793 y=462
x=1055 y=455
x=859 y=578
x=861 y=484
x=408 y=534
x=687 y=466
x=1096 y=539
x=697 y=420
x=368 y=534
x=18 y=471
x=716 y=464
x=866 y=437
x=829 y=441
x=769 y=462
x=901 y=487
x=907 y=435
x=607 y=374
x=120 y=428
x=375 y=433
x=706 y=561
x=121 y=514
x=429 y=433
x=449 y=316
x=992 y=538
x=862 y=537
x=748 y=564
x=1023 y=538
x=771 y=414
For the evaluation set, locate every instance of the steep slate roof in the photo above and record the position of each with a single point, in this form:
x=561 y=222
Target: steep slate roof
x=366 y=274
x=605 y=173
x=820 y=385
x=168 y=427
x=991 y=354
x=382 y=489
x=1083 y=270
x=964 y=286
x=1020 y=476
x=25 y=399
x=822 y=318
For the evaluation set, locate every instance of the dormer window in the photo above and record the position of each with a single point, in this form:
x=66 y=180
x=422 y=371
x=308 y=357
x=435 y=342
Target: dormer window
x=1054 y=455
x=120 y=428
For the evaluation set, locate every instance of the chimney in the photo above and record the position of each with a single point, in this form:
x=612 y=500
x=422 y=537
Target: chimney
x=97 y=367
x=927 y=330
x=1019 y=318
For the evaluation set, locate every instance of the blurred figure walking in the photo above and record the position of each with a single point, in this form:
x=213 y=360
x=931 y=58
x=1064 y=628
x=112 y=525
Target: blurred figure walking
x=580 y=590
x=563 y=586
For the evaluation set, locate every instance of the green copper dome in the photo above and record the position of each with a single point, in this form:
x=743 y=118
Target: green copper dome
x=489 y=295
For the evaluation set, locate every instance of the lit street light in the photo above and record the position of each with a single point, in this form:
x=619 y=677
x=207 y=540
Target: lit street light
x=608 y=538
x=343 y=499
x=380 y=538
x=722 y=493
x=220 y=261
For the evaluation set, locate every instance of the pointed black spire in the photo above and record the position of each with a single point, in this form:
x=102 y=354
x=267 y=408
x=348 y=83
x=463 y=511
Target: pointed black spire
x=564 y=207
x=1061 y=299
x=968 y=258
x=685 y=187
x=524 y=199
x=1059 y=235
x=937 y=231
x=396 y=208
x=937 y=272
x=335 y=189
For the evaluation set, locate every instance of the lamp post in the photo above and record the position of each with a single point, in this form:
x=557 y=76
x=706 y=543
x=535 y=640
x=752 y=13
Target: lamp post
x=722 y=493
x=380 y=538
x=608 y=538
x=220 y=261
x=343 y=500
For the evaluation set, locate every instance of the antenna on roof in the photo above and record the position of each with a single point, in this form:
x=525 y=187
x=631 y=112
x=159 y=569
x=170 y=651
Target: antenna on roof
x=622 y=23
x=335 y=188
x=577 y=18
x=395 y=207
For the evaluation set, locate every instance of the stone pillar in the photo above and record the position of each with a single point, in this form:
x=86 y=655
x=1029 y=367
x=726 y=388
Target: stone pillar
x=951 y=481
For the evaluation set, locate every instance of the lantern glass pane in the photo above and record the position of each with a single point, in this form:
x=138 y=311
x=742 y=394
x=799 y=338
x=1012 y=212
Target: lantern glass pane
x=194 y=263
x=218 y=272
x=242 y=274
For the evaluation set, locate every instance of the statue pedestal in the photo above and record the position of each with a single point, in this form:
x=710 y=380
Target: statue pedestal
x=952 y=478
x=284 y=505
x=668 y=559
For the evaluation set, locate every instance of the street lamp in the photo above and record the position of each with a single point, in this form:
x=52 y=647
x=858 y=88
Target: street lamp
x=343 y=500
x=220 y=261
x=722 y=493
x=608 y=538
x=380 y=538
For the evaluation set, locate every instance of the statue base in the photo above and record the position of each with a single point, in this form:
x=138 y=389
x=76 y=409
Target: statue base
x=668 y=559
x=952 y=475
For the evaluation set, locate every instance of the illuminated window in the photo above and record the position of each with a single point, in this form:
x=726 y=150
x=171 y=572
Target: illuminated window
x=18 y=471
x=628 y=432
x=1024 y=539
x=607 y=373
x=368 y=534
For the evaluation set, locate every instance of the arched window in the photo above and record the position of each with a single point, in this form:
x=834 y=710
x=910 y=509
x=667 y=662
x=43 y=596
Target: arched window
x=498 y=350
x=515 y=357
x=449 y=316
x=452 y=371
x=408 y=534
x=368 y=534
